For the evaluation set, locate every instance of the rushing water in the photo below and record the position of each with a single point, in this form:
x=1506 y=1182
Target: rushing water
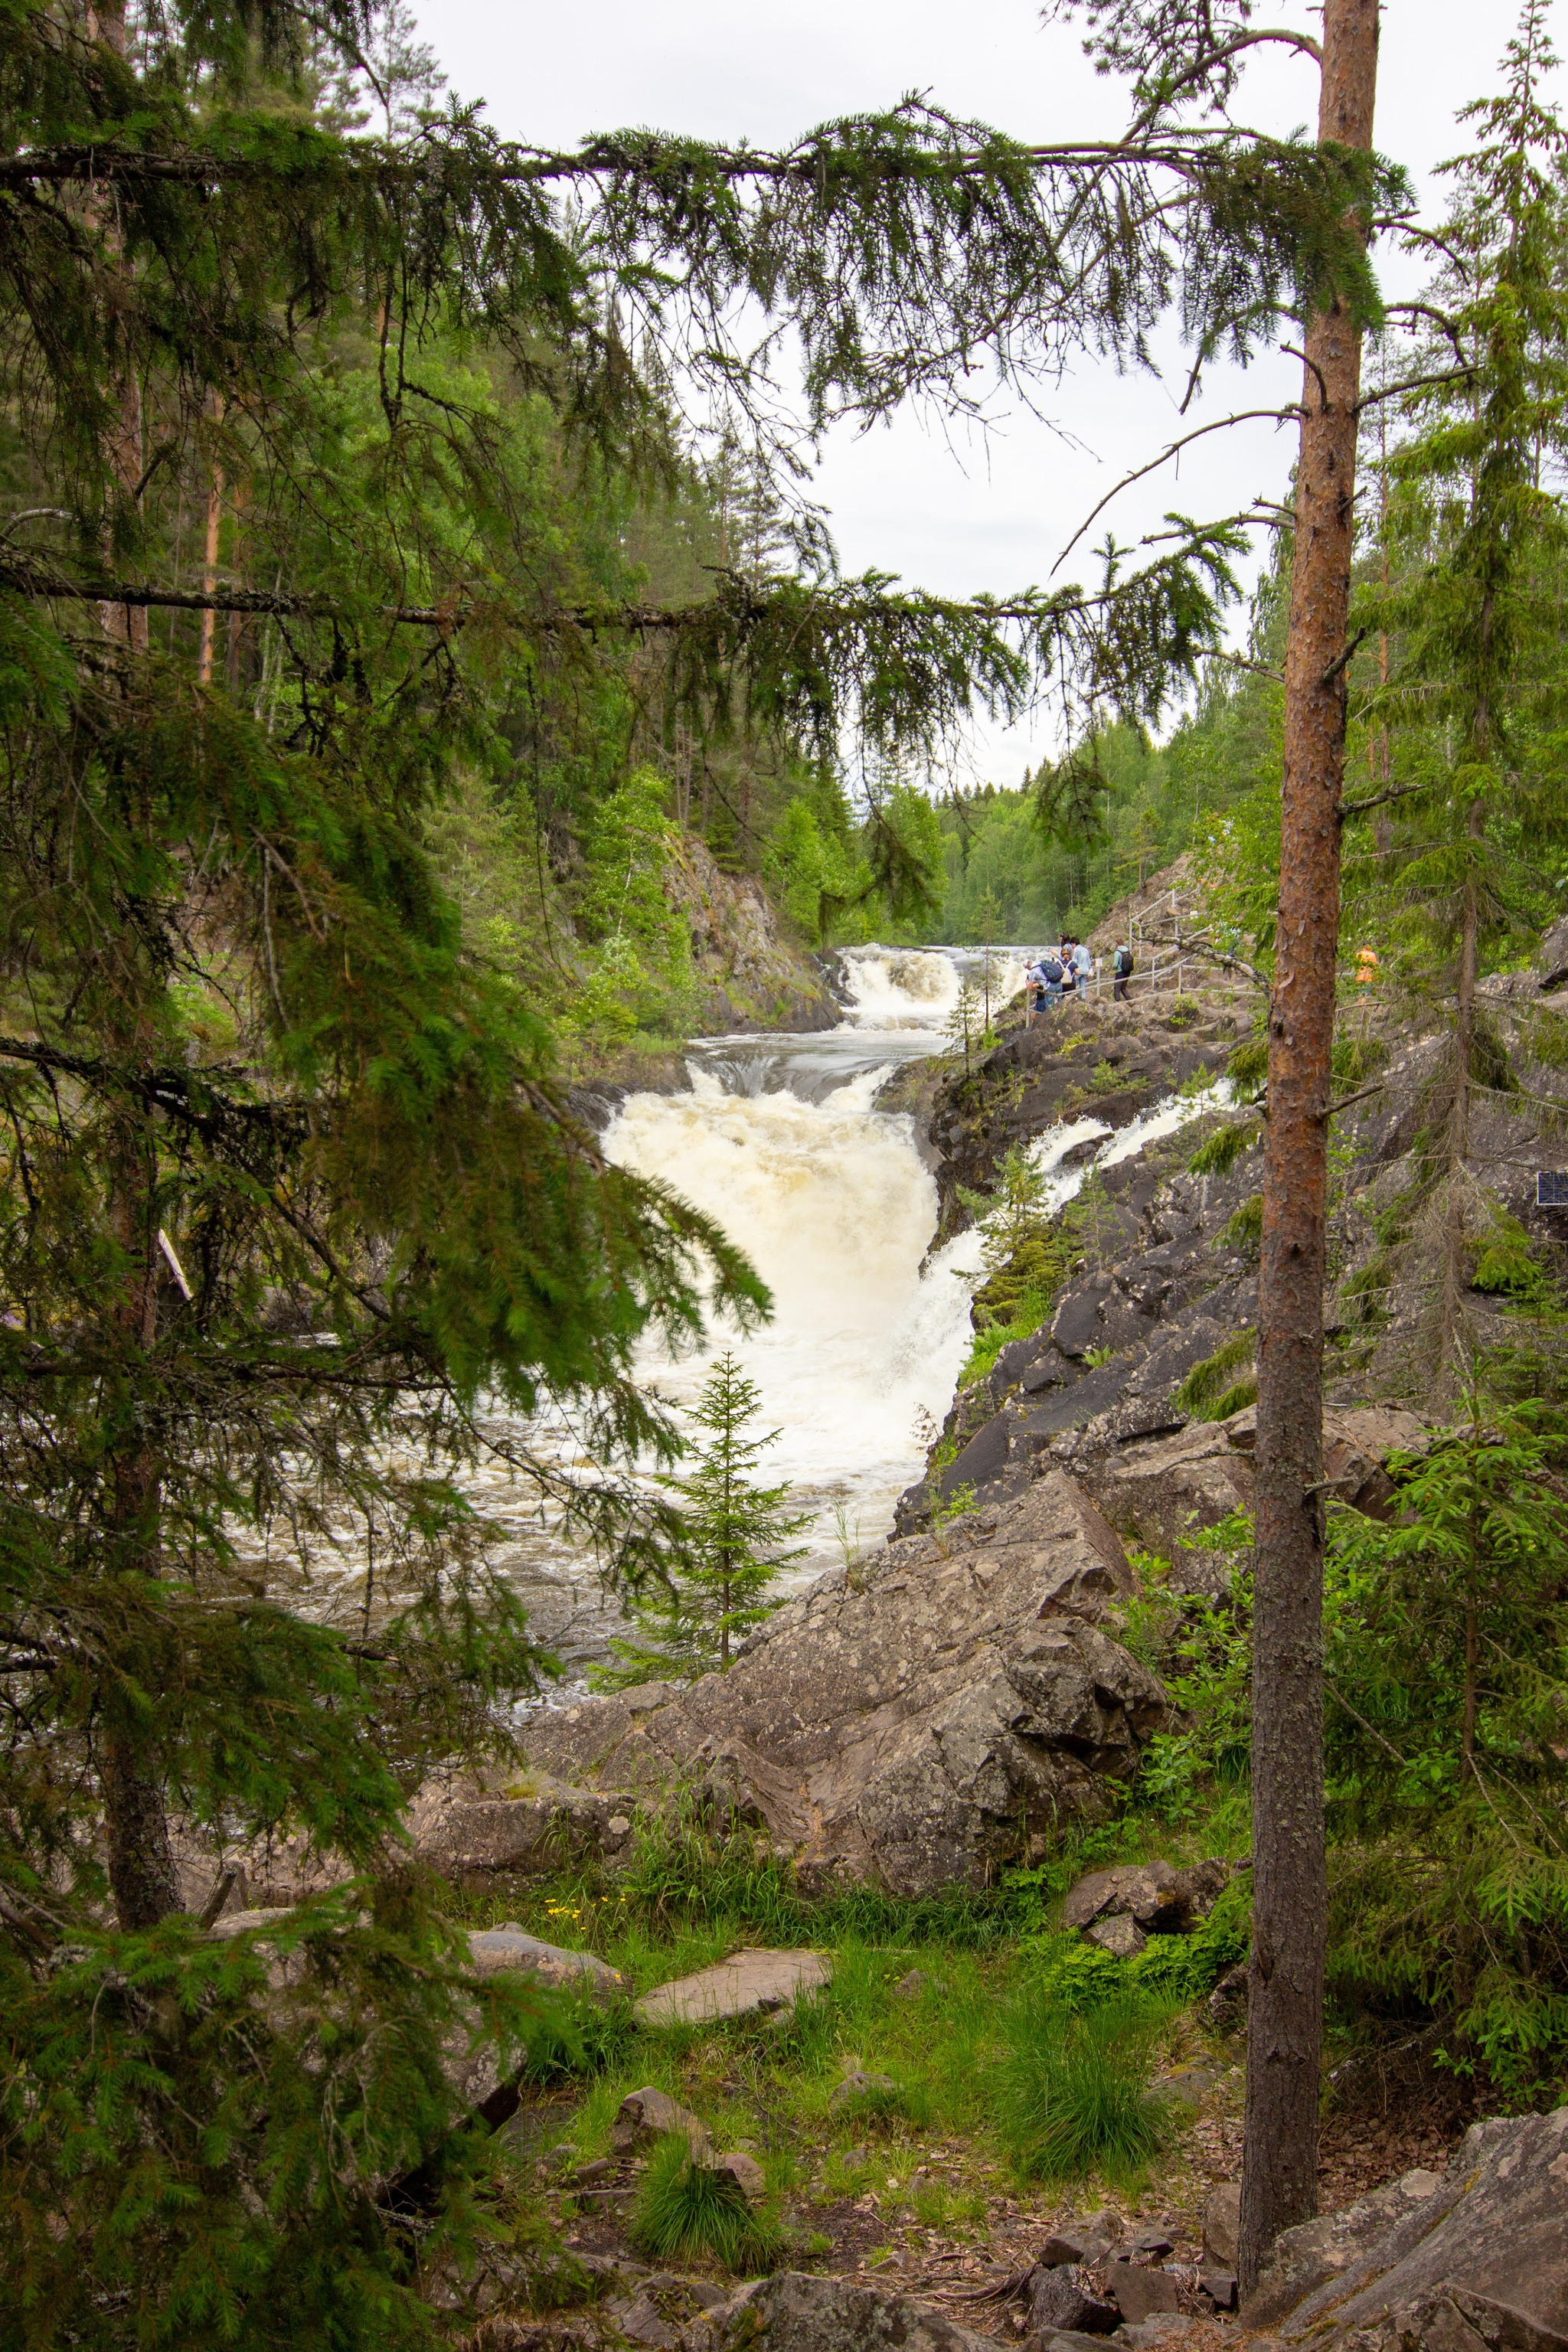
x=780 y=1140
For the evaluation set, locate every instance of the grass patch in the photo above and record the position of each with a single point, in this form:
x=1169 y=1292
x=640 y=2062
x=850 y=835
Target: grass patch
x=1072 y=2088
x=683 y=2210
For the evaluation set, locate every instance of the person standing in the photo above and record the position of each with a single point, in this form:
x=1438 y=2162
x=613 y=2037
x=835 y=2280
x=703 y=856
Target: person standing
x=1083 y=965
x=1121 y=972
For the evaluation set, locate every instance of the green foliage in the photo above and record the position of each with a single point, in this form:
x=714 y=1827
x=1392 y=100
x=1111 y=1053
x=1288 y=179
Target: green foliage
x=684 y=2211
x=1217 y=1154
x=1207 y=1390
x=194 y=2152
x=641 y=973
x=1243 y=1229
x=1071 y=2090
x=1185 y=1011
x=732 y=1534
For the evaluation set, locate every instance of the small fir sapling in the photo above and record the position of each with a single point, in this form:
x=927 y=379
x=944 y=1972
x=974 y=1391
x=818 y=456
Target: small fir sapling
x=736 y=1532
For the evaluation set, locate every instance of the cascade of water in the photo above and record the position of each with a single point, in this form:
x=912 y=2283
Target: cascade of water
x=833 y=1204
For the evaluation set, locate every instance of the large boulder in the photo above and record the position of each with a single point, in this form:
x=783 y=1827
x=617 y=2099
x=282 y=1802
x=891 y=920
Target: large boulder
x=475 y=1826
x=1474 y=2259
x=1160 y=1489
x=916 y=1722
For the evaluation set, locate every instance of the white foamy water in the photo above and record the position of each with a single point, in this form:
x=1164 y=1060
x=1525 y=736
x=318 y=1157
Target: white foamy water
x=833 y=1204
x=894 y=988
x=781 y=1141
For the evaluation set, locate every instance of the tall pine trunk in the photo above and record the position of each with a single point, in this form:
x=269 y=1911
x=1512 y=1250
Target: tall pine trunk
x=1280 y=2169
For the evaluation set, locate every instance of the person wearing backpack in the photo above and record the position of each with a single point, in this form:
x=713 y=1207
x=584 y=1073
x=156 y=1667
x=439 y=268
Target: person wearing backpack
x=1046 y=978
x=1121 y=972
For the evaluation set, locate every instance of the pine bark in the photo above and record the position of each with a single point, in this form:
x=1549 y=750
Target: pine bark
x=1280 y=2169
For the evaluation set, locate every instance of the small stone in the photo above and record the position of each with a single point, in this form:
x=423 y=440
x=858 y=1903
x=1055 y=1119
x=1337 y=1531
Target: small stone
x=1219 y=2287
x=1143 y=2334
x=588 y=2175
x=1140 y=2293
x=1222 y=2225
x=1119 y=1934
x=647 y=2114
x=745 y=2172
x=1056 y=2301
x=1154 y=2239
x=746 y=1983
x=617 y=1826
x=911 y=1987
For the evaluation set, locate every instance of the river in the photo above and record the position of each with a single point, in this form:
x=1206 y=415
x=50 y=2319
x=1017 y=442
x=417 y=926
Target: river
x=780 y=1140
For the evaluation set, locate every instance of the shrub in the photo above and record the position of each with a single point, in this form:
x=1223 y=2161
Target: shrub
x=1072 y=2090
x=684 y=2210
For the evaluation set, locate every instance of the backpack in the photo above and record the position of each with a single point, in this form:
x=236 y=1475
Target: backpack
x=1052 y=971
x=1124 y=963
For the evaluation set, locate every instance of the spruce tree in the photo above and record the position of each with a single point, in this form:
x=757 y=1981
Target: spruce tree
x=732 y=1533
x=1453 y=858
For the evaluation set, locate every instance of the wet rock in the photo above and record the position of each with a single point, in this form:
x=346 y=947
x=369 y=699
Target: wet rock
x=938 y=1713
x=1435 y=2260
x=647 y=2114
x=749 y=1983
x=795 y=2311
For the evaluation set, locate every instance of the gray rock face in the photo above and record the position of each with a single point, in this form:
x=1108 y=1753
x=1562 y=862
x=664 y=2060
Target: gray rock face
x=937 y=1713
x=1471 y=2260
x=794 y=2312
x=471 y=1827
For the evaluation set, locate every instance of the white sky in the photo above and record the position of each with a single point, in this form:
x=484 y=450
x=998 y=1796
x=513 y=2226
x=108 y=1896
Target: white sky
x=974 y=515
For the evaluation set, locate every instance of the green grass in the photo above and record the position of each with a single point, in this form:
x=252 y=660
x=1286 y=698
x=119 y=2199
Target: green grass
x=683 y=2212
x=1072 y=2091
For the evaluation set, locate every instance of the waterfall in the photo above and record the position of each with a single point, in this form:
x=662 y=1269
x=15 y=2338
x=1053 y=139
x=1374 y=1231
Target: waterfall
x=832 y=1202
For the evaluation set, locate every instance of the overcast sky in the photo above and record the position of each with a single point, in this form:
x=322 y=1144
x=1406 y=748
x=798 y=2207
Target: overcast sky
x=991 y=515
